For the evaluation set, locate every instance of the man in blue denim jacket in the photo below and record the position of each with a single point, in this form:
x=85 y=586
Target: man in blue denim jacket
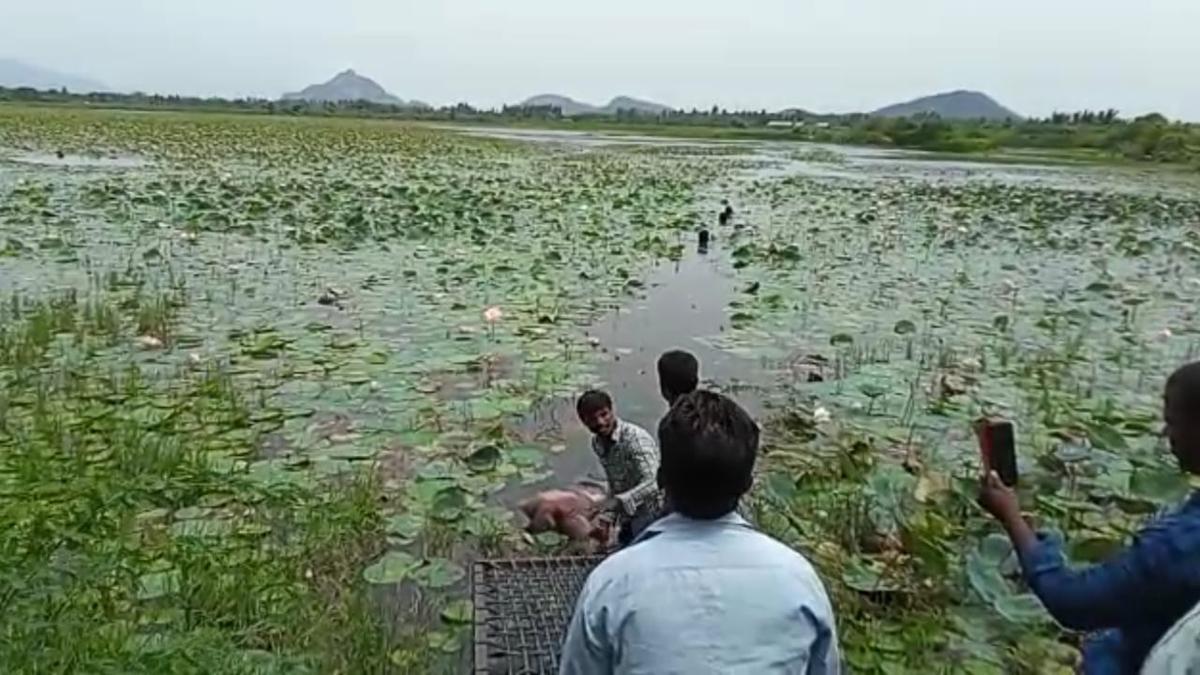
x=1131 y=600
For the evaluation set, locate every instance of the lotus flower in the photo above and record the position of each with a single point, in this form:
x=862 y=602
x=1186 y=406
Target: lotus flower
x=1164 y=334
x=148 y=342
x=492 y=314
x=821 y=415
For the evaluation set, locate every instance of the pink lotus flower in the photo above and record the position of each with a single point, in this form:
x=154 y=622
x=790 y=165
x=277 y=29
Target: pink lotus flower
x=492 y=314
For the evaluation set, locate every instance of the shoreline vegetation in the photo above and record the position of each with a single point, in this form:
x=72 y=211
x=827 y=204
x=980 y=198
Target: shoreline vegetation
x=1075 y=137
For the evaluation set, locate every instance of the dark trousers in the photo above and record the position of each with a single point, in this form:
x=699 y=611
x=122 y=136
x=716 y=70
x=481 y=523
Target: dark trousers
x=632 y=527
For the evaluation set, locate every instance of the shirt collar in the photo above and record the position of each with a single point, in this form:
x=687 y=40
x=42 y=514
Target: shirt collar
x=678 y=521
x=618 y=428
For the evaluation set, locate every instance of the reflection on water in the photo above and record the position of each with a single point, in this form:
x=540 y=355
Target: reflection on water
x=683 y=303
x=59 y=159
x=584 y=139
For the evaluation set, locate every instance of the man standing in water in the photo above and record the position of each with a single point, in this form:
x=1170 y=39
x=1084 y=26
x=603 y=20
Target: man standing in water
x=678 y=374
x=630 y=459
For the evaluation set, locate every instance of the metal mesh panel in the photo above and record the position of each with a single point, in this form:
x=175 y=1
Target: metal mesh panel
x=522 y=607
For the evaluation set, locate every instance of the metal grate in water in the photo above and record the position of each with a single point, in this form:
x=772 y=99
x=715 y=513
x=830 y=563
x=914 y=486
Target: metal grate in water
x=522 y=607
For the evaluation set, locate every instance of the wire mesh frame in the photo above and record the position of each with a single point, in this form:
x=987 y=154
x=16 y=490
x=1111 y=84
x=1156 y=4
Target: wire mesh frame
x=522 y=607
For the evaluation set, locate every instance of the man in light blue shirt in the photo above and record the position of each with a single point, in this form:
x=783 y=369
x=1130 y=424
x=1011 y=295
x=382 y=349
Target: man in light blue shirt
x=700 y=591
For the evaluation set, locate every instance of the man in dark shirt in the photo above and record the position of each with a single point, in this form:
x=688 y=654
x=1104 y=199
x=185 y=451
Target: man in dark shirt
x=1131 y=600
x=678 y=374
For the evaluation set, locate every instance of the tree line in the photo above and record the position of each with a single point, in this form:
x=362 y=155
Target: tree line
x=1150 y=137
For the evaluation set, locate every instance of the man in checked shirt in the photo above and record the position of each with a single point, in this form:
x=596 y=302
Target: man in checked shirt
x=630 y=459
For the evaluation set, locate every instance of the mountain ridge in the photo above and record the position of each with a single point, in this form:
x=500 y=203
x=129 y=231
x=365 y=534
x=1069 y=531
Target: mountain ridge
x=349 y=86
x=960 y=104
x=571 y=107
x=15 y=73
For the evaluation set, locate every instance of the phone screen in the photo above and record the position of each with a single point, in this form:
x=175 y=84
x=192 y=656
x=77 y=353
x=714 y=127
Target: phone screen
x=998 y=446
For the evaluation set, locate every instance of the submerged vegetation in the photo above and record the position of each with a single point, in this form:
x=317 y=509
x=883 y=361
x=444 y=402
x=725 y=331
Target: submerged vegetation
x=262 y=377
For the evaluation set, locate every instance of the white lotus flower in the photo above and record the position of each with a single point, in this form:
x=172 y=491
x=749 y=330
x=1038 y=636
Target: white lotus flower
x=193 y=359
x=492 y=314
x=148 y=342
x=821 y=415
x=1164 y=334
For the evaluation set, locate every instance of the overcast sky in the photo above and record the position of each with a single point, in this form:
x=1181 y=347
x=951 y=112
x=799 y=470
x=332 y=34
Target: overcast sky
x=1034 y=56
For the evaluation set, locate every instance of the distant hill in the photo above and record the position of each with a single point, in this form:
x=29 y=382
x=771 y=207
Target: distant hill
x=795 y=113
x=15 y=73
x=570 y=107
x=350 y=86
x=954 y=105
x=628 y=103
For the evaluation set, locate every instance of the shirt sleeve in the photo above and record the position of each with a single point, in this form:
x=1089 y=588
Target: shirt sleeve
x=643 y=493
x=824 y=658
x=586 y=650
x=1104 y=595
x=644 y=452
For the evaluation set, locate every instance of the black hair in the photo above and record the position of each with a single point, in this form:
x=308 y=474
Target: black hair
x=1183 y=386
x=708 y=445
x=591 y=401
x=678 y=373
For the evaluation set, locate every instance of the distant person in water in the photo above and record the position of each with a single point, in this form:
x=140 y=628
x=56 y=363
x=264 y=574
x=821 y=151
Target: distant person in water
x=678 y=374
x=630 y=459
x=726 y=215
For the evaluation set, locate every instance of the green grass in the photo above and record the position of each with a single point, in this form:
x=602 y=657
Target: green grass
x=130 y=548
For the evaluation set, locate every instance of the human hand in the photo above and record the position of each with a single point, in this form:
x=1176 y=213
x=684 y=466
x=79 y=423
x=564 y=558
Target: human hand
x=606 y=509
x=998 y=499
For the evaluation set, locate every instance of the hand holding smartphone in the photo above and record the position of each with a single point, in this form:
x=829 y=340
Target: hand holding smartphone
x=997 y=447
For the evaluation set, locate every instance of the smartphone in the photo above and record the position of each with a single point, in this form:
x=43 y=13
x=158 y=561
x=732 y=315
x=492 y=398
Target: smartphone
x=998 y=447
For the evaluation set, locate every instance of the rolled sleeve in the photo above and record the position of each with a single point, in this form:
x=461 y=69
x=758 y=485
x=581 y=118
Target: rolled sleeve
x=1045 y=558
x=643 y=494
x=644 y=454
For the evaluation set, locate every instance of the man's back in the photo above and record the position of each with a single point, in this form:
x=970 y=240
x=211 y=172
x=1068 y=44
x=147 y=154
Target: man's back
x=695 y=596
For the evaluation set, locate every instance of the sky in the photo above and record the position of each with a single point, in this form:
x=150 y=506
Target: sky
x=1034 y=56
